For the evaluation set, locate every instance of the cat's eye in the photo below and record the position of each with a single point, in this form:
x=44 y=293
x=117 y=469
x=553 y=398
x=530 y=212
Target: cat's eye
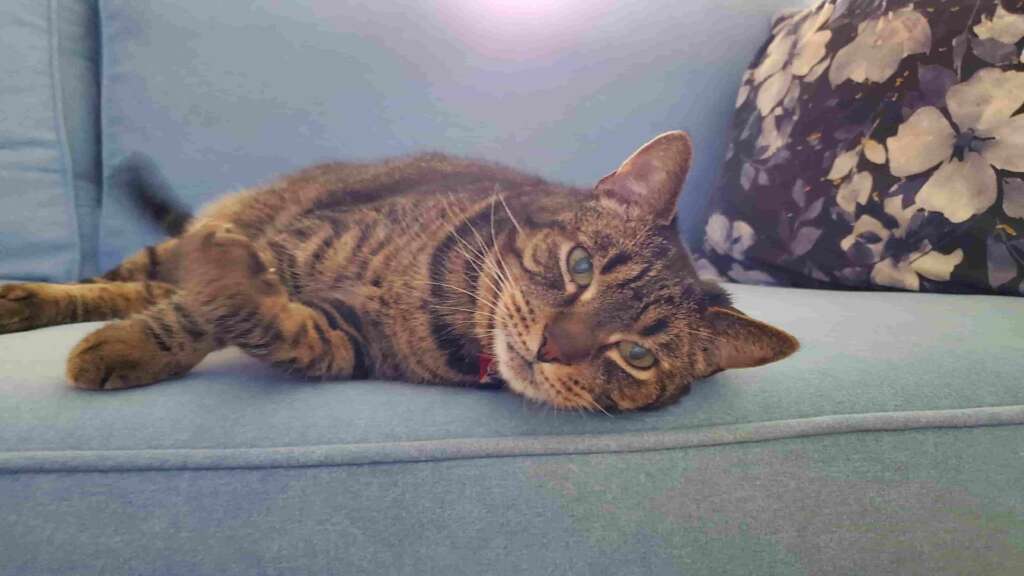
x=636 y=355
x=581 y=266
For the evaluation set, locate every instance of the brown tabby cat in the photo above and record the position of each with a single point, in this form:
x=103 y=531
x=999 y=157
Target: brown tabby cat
x=421 y=269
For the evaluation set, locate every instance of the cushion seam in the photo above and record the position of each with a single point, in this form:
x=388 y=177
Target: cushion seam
x=62 y=140
x=500 y=447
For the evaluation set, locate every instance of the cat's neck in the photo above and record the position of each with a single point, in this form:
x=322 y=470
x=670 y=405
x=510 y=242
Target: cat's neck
x=468 y=270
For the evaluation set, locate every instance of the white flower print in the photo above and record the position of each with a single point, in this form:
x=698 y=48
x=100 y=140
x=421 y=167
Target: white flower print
x=744 y=276
x=844 y=164
x=906 y=273
x=744 y=91
x=1013 y=197
x=872 y=234
x=900 y=270
x=794 y=52
x=728 y=238
x=986 y=136
x=874 y=151
x=707 y=270
x=854 y=191
x=1004 y=26
x=880 y=45
x=775 y=130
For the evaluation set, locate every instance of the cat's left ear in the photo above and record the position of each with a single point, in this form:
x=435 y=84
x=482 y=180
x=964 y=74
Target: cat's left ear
x=742 y=342
x=648 y=183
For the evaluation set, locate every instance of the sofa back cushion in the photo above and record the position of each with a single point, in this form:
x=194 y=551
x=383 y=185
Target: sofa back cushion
x=49 y=139
x=224 y=95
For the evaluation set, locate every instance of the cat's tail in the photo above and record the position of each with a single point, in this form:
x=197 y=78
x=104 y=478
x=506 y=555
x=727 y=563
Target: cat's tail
x=139 y=179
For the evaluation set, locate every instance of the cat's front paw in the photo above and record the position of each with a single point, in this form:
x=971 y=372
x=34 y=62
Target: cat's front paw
x=118 y=355
x=26 y=306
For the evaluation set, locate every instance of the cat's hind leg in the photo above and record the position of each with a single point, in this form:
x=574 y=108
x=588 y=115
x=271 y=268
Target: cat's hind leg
x=143 y=279
x=36 y=305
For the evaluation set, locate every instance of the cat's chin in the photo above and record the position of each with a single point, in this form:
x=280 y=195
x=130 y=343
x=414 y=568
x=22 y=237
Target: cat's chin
x=516 y=370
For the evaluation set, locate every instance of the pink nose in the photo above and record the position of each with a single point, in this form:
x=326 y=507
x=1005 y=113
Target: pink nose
x=567 y=340
x=548 y=351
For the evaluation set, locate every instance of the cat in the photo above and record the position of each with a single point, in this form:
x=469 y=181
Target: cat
x=429 y=269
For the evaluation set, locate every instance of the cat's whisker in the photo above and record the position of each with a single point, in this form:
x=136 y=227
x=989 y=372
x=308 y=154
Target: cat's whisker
x=464 y=310
x=476 y=298
x=502 y=279
x=481 y=269
x=477 y=258
x=585 y=396
x=510 y=215
x=497 y=251
x=494 y=243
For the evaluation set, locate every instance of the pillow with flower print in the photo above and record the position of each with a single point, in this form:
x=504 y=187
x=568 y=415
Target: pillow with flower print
x=878 y=144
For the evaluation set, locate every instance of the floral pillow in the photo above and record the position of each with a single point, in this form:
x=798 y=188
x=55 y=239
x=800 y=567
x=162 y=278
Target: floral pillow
x=878 y=144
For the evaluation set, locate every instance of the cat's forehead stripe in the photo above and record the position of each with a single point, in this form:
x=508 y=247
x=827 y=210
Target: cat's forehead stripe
x=617 y=260
x=657 y=327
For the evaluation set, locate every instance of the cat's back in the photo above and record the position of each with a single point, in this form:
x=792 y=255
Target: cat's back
x=342 y=187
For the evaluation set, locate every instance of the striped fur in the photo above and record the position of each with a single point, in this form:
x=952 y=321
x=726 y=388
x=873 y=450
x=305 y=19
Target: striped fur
x=412 y=269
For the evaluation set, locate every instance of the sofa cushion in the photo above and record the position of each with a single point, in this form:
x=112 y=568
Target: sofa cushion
x=936 y=502
x=877 y=146
x=49 y=147
x=229 y=94
x=884 y=446
x=868 y=361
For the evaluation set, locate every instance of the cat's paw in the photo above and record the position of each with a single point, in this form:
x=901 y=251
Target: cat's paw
x=118 y=355
x=222 y=262
x=26 y=306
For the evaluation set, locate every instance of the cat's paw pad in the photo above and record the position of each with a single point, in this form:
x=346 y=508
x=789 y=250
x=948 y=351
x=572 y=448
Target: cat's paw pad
x=24 y=307
x=118 y=355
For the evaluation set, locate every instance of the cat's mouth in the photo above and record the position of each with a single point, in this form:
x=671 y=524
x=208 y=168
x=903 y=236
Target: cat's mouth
x=515 y=369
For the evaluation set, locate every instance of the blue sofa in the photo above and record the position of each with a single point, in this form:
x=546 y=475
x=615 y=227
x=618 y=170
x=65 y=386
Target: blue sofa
x=890 y=444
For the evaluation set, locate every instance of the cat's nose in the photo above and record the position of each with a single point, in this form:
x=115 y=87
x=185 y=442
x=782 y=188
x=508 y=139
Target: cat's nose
x=548 y=351
x=566 y=341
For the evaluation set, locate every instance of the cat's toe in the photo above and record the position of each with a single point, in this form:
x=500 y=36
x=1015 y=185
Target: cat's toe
x=116 y=356
x=22 y=307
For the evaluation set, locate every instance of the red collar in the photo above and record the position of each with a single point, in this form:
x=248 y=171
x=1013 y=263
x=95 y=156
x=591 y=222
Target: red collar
x=488 y=371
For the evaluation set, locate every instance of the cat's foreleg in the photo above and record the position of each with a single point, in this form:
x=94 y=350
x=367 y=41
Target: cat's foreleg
x=227 y=296
x=164 y=341
x=219 y=274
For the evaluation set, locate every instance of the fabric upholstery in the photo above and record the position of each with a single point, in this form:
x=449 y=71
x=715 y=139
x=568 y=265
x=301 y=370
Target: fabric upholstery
x=876 y=145
x=228 y=94
x=49 y=194
x=928 y=502
x=885 y=445
x=862 y=353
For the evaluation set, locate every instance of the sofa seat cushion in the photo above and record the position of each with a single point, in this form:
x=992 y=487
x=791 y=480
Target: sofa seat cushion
x=869 y=361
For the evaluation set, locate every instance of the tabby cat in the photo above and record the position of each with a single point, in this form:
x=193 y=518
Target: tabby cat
x=424 y=269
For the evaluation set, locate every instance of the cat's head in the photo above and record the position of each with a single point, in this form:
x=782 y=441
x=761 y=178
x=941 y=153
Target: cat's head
x=600 y=307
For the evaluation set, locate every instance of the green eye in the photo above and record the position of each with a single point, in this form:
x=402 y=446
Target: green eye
x=636 y=355
x=581 y=267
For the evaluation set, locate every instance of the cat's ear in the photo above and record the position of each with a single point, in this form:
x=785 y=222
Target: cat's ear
x=742 y=342
x=648 y=183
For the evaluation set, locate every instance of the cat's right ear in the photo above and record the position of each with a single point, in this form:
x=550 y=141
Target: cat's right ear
x=742 y=342
x=647 y=185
